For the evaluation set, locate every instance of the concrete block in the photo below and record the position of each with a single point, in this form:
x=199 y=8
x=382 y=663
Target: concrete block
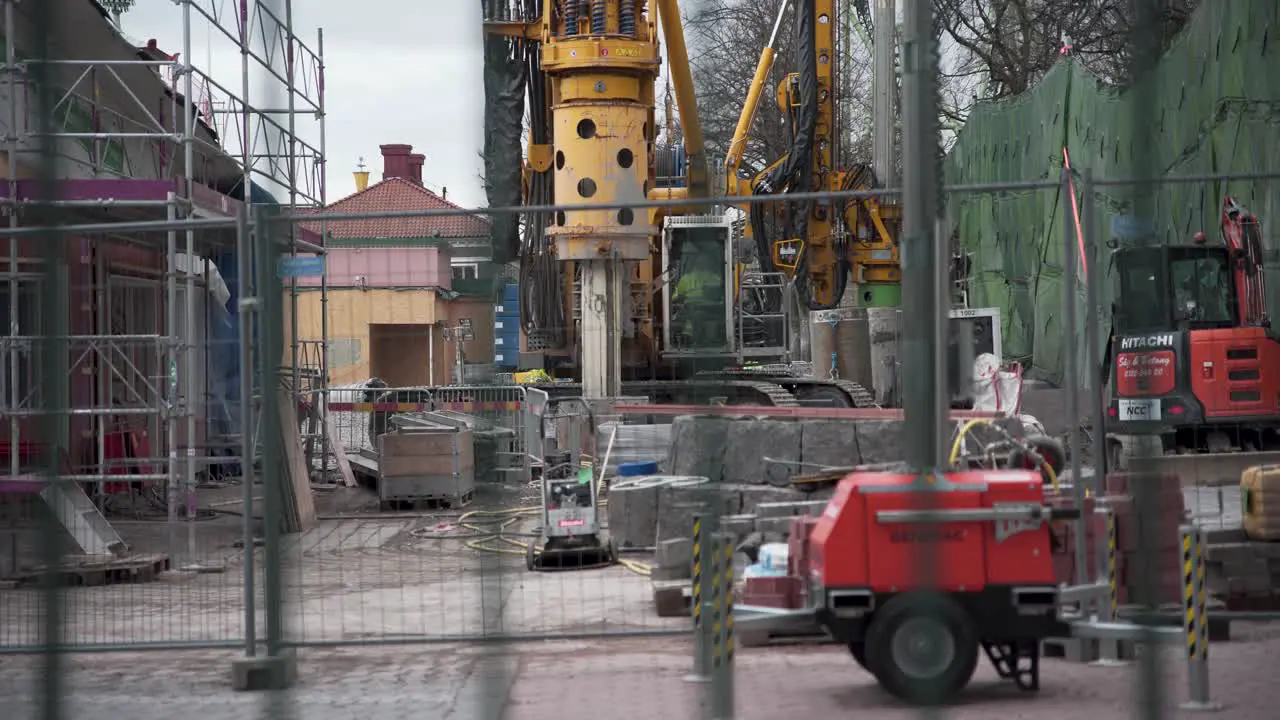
x=738 y=525
x=832 y=443
x=881 y=441
x=633 y=515
x=1252 y=568
x=279 y=672
x=1218 y=536
x=683 y=572
x=1229 y=552
x=678 y=504
x=1079 y=650
x=790 y=508
x=752 y=448
x=753 y=496
x=671 y=598
x=673 y=553
x=774 y=529
x=698 y=446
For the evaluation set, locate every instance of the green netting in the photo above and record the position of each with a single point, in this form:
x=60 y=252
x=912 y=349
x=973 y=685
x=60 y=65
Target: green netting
x=1218 y=112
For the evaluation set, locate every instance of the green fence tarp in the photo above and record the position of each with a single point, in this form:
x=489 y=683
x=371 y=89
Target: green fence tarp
x=1218 y=112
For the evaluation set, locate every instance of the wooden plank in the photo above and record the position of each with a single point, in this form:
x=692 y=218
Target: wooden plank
x=300 y=508
x=339 y=452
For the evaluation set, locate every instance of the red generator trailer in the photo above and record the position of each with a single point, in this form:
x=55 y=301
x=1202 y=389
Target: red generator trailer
x=918 y=576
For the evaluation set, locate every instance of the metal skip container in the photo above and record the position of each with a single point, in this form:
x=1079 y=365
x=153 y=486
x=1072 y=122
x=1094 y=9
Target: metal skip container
x=840 y=345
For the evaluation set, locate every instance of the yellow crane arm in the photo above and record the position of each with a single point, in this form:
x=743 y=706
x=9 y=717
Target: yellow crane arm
x=733 y=160
x=682 y=83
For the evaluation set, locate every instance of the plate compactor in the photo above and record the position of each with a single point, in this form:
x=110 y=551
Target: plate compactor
x=569 y=536
x=918 y=576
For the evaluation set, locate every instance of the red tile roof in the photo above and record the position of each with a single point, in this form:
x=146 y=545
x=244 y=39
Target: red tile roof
x=399 y=195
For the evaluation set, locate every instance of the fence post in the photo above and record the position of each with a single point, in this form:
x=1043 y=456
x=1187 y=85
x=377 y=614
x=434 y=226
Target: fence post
x=703 y=527
x=1195 y=622
x=1109 y=648
x=722 y=690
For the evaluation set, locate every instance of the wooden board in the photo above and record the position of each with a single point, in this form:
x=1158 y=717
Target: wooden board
x=299 y=505
x=339 y=452
x=140 y=569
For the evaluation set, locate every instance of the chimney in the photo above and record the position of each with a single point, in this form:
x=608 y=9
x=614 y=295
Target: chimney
x=395 y=161
x=362 y=176
x=416 y=160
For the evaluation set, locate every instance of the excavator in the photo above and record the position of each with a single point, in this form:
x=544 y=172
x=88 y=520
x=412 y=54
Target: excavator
x=604 y=298
x=1193 y=360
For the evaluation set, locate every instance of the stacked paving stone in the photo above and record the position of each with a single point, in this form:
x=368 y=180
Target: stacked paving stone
x=1164 y=515
x=672 y=570
x=1165 y=554
x=1244 y=574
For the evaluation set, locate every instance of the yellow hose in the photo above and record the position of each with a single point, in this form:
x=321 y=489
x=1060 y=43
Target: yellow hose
x=958 y=445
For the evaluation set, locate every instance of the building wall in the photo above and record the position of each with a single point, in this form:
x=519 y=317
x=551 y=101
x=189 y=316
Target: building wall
x=478 y=350
x=351 y=312
x=384 y=268
x=116 y=111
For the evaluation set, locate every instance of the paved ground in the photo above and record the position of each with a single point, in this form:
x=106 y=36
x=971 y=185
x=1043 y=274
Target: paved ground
x=618 y=678
x=350 y=578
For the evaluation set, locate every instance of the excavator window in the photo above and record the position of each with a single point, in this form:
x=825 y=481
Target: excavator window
x=699 y=308
x=1163 y=288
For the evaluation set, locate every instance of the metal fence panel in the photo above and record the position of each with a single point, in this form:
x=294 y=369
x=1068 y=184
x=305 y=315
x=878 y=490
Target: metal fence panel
x=224 y=427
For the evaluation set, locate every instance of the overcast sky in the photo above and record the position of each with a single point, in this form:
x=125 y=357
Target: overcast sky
x=396 y=71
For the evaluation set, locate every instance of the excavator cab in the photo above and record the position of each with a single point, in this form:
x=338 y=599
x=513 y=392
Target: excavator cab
x=1180 y=287
x=698 y=295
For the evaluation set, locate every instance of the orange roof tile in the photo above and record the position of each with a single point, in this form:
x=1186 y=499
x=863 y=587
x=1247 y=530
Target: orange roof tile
x=399 y=195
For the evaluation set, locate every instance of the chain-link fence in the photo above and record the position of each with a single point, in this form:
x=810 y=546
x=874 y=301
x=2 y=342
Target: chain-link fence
x=246 y=431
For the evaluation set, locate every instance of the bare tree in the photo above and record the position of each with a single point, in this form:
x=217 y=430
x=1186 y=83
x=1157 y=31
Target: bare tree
x=1000 y=48
x=725 y=40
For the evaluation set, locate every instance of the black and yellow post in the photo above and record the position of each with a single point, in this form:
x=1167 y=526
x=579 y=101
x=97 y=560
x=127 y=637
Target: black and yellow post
x=722 y=692
x=1195 y=622
x=1109 y=648
x=1113 y=588
x=703 y=529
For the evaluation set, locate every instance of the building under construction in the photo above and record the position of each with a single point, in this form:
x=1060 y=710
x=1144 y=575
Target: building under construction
x=154 y=164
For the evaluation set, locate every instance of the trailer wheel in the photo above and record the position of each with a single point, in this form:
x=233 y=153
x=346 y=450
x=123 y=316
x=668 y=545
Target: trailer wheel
x=923 y=647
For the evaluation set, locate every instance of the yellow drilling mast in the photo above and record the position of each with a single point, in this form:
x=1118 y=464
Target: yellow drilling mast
x=601 y=59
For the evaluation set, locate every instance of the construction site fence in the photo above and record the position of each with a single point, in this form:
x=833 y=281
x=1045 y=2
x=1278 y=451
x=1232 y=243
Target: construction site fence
x=501 y=414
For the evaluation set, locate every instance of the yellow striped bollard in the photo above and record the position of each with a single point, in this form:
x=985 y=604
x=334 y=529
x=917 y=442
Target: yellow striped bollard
x=722 y=691
x=1195 y=621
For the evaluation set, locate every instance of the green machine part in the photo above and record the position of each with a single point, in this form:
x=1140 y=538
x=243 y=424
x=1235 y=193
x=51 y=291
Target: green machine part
x=880 y=295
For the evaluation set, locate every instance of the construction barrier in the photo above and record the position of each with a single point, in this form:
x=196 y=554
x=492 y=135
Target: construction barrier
x=700 y=537
x=1109 y=606
x=1195 y=620
x=497 y=416
x=721 y=688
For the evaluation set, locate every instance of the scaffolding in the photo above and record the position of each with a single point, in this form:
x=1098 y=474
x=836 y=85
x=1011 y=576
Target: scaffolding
x=157 y=168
